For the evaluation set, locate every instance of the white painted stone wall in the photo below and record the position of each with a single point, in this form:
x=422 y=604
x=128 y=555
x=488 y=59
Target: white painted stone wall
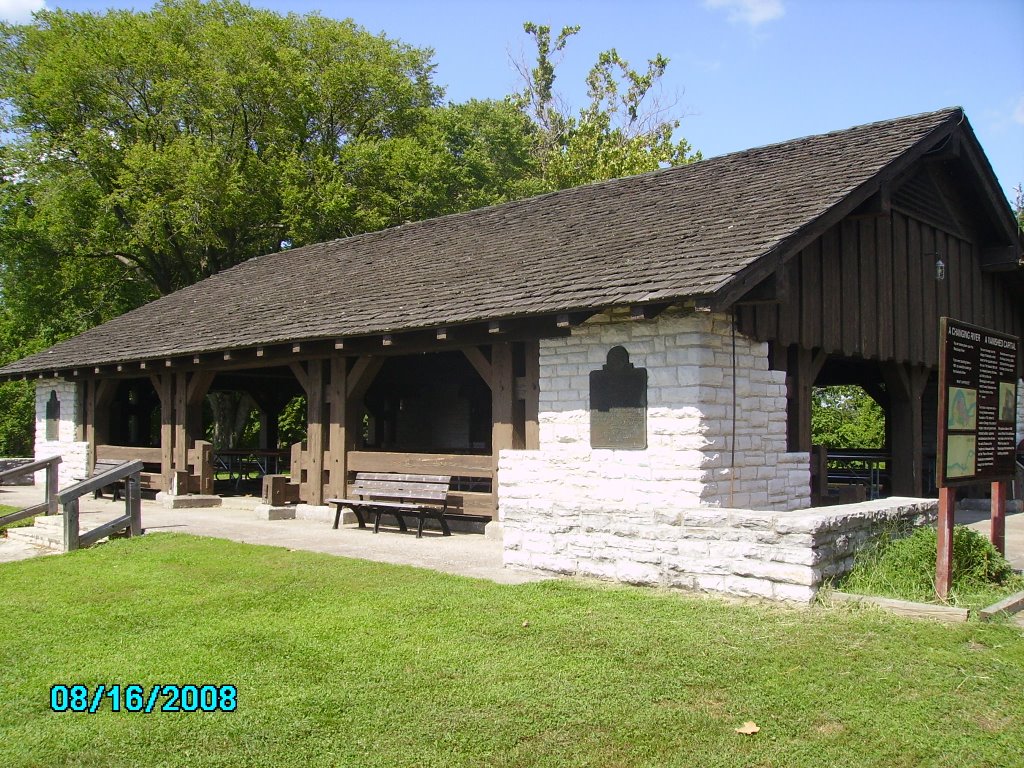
x=716 y=432
x=702 y=451
x=74 y=453
x=784 y=556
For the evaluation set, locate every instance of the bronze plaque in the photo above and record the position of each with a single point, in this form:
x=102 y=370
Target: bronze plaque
x=618 y=403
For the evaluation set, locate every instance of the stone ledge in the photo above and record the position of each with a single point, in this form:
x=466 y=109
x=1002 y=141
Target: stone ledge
x=191 y=501
x=268 y=512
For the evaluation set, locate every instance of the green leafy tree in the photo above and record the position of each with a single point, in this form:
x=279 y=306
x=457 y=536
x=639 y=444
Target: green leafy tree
x=846 y=417
x=143 y=151
x=622 y=130
x=172 y=141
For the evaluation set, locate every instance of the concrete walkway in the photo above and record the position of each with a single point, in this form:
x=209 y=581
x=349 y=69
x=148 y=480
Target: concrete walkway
x=980 y=520
x=464 y=554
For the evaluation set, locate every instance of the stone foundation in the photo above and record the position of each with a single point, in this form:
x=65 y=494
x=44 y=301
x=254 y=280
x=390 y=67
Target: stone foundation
x=777 y=555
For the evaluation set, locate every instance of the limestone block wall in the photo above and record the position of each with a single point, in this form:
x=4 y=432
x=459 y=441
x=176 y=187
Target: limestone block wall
x=784 y=556
x=716 y=421
x=697 y=507
x=74 y=453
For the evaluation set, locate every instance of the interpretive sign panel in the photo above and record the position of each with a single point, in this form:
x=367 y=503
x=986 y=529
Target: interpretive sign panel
x=618 y=403
x=977 y=404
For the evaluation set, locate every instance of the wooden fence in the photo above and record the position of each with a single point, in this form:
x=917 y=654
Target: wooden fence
x=198 y=478
x=49 y=504
x=130 y=522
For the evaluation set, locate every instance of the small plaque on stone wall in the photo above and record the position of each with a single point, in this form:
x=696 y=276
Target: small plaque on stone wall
x=618 y=403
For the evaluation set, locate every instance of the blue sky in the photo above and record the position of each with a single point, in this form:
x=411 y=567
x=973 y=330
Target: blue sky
x=743 y=72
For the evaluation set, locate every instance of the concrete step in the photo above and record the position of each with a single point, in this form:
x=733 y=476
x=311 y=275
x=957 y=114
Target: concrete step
x=37 y=537
x=50 y=523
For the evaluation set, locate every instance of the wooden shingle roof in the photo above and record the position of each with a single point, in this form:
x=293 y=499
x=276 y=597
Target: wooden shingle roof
x=662 y=236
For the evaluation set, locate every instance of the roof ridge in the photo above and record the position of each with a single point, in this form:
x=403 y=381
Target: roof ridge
x=673 y=170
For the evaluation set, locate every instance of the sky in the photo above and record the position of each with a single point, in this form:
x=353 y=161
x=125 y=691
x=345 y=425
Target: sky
x=742 y=73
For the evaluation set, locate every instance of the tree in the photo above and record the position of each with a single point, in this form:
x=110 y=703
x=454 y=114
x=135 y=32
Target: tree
x=623 y=129
x=173 y=141
x=143 y=151
x=846 y=417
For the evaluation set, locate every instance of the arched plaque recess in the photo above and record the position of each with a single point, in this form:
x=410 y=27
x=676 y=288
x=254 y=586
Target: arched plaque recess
x=618 y=403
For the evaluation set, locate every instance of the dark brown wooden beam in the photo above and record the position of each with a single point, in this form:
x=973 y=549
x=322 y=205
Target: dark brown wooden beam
x=502 y=394
x=480 y=363
x=299 y=369
x=905 y=385
x=760 y=268
x=1000 y=258
x=362 y=374
x=647 y=311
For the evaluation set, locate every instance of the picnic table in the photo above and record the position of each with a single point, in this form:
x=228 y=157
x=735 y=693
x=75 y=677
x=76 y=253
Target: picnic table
x=241 y=464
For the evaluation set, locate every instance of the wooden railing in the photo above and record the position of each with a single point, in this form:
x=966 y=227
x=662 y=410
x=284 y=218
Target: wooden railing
x=197 y=479
x=49 y=505
x=130 y=522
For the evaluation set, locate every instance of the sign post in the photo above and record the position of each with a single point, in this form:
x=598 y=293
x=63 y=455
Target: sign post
x=977 y=426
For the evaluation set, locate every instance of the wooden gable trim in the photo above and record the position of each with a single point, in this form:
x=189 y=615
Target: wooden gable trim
x=761 y=268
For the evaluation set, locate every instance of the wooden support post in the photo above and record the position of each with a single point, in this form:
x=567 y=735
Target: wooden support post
x=133 y=503
x=502 y=394
x=202 y=462
x=101 y=394
x=802 y=369
x=944 y=548
x=905 y=384
x=165 y=389
x=181 y=425
x=531 y=350
x=198 y=385
x=51 y=488
x=337 y=465
x=998 y=532
x=315 y=433
x=70 y=525
x=90 y=425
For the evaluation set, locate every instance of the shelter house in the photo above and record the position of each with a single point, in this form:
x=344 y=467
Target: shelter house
x=619 y=374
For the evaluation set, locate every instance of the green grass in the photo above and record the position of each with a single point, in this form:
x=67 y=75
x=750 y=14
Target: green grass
x=5 y=510
x=904 y=568
x=343 y=662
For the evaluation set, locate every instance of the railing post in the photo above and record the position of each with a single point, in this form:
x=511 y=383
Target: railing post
x=133 y=504
x=71 y=525
x=204 y=466
x=51 y=488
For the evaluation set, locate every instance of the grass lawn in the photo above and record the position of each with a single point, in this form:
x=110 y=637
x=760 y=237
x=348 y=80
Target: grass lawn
x=345 y=662
x=5 y=510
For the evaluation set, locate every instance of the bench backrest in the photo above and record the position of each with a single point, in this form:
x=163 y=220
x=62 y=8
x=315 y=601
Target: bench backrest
x=398 y=487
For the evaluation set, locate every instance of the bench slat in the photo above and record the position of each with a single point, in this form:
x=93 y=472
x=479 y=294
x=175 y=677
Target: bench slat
x=374 y=503
x=396 y=478
x=412 y=494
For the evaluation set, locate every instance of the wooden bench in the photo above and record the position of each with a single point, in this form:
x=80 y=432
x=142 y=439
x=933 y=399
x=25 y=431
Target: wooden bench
x=385 y=493
x=101 y=466
x=150 y=481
